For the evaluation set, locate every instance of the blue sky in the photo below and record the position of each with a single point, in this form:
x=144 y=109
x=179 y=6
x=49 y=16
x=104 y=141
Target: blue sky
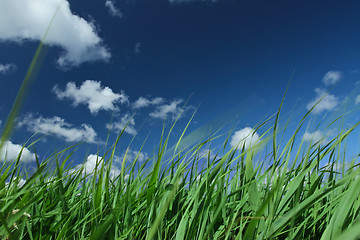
x=115 y=59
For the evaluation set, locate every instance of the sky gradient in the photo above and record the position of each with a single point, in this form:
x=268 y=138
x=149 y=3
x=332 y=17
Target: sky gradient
x=108 y=63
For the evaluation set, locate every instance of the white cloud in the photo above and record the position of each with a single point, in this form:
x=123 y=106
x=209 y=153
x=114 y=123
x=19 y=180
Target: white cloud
x=328 y=102
x=114 y=11
x=246 y=136
x=331 y=77
x=357 y=100
x=10 y=151
x=93 y=162
x=163 y=110
x=144 y=102
x=131 y=156
x=7 y=68
x=57 y=126
x=120 y=125
x=28 y=20
x=92 y=94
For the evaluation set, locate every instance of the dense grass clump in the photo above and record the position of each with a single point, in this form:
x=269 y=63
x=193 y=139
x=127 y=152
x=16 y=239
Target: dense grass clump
x=234 y=194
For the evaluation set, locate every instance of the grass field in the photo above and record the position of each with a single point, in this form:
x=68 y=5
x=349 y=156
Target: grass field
x=226 y=196
x=235 y=194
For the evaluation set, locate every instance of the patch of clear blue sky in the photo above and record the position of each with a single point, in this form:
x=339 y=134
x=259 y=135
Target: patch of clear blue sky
x=223 y=53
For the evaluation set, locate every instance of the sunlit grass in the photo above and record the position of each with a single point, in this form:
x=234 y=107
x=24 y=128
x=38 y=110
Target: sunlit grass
x=229 y=195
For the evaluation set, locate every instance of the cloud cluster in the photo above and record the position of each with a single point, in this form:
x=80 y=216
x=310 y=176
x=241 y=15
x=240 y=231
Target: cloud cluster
x=164 y=110
x=331 y=78
x=10 y=151
x=323 y=100
x=7 y=68
x=92 y=94
x=98 y=97
x=246 y=136
x=57 y=126
x=121 y=124
x=24 y=20
x=142 y=102
x=328 y=102
x=114 y=11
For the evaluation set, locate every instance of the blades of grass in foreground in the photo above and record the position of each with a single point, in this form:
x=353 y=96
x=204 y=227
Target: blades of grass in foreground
x=166 y=201
x=228 y=195
x=351 y=233
x=343 y=210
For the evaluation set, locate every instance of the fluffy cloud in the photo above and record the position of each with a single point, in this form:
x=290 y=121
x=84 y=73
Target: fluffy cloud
x=120 y=125
x=22 y=20
x=114 y=11
x=144 y=102
x=246 y=136
x=93 y=162
x=57 y=126
x=331 y=77
x=10 y=151
x=328 y=102
x=7 y=68
x=90 y=164
x=163 y=110
x=92 y=94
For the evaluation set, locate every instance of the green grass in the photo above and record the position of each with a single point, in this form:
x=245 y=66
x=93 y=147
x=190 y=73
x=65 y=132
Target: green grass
x=232 y=195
